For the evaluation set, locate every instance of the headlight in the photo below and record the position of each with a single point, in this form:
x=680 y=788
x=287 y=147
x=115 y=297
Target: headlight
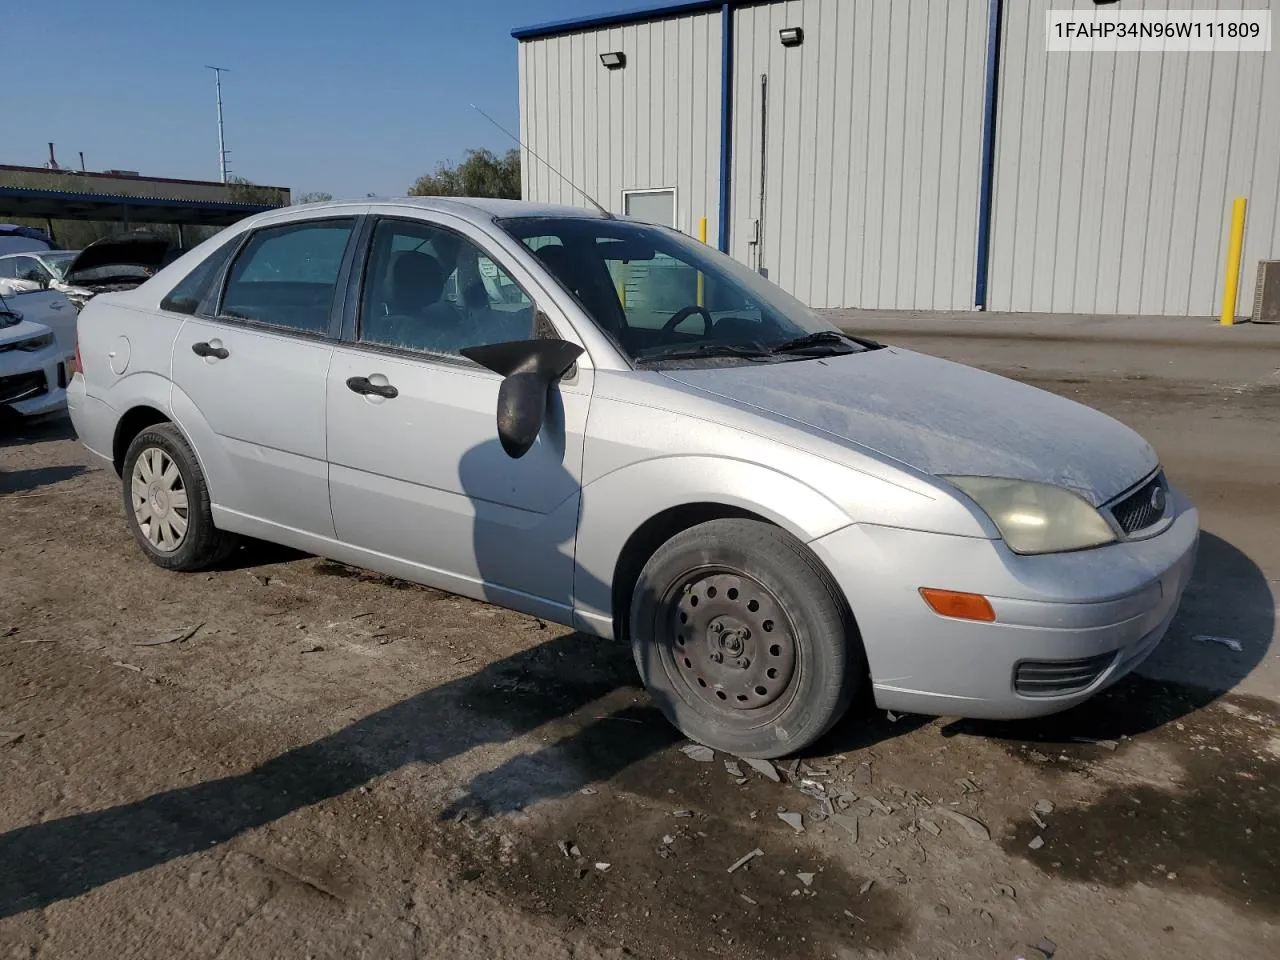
x=36 y=343
x=1037 y=517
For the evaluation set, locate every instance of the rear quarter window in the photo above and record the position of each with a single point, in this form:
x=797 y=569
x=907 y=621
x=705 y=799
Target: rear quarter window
x=191 y=290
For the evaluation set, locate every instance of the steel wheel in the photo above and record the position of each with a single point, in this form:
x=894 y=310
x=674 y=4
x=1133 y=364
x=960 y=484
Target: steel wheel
x=731 y=645
x=159 y=499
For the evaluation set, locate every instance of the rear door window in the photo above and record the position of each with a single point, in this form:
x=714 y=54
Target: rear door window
x=287 y=276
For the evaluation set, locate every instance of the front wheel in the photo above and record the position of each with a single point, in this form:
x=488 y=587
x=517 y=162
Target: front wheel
x=743 y=640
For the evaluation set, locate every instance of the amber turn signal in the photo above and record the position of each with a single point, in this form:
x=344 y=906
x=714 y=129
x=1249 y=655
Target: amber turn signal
x=962 y=606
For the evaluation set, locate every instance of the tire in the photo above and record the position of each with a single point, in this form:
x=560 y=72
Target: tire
x=170 y=516
x=790 y=654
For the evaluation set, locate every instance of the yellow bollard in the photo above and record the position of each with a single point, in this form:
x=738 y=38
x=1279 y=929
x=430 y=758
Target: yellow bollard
x=1234 y=250
x=702 y=236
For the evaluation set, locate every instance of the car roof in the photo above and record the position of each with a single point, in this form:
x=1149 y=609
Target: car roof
x=470 y=208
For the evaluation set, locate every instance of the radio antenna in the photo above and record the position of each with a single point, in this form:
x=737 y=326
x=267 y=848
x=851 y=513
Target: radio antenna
x=603 y=212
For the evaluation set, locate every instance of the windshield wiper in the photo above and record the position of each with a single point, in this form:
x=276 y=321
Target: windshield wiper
x=700 y=350
x=814 y=341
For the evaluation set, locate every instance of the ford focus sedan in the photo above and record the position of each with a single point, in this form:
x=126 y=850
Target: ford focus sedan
x=611 y=426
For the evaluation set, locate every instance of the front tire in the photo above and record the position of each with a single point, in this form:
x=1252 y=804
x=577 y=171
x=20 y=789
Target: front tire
x=743 y=639
x=166 y=502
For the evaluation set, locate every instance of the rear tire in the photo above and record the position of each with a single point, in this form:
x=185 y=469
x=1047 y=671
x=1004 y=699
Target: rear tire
x=166 y=502
x=744 y=640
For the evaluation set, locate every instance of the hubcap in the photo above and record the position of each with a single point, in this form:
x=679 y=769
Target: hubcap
x=732 y=643
x=159 y=499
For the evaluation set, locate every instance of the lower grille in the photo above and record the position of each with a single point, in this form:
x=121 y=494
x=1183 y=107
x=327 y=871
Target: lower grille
x=1053 y=678
x=23 y=386
x=1143 y=508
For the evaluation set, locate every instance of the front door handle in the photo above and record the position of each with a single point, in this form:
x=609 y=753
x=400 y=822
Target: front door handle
x=362 y=385
x=203 y=349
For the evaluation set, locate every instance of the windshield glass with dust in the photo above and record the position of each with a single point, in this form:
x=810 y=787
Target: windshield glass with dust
x=660 y=295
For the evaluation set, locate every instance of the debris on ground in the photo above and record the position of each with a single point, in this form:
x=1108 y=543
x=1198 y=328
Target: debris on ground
x=975 y=828
x=1046 y=946
x=9 y=737
x=763 y=767
x=173 y=636
x=1036 y=842
x=682 y=814
x=877 y=804
x=790 y=769
x=793 y=820
x=931 y=827
x=569 y=849
x=604 y=867
x=812 y=788
x=986 y=916
x=696 y=751
x=866 y=887
x=1044 y=807
x=746 y=858
x=127 y=666
x=806 y=878
x=862 y=774
x=312 y=648
x=1105 y=744
x=967 y=786
x=849 y=823
x=748 y=899
x=1005 y=890
x=588 y=791
x=668 y=839
x=1229 y=642
x=731 y=767
x=894 y=717
x=1035 y=818
x=895 y=875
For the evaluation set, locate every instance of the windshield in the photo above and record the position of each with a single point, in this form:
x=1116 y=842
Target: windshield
x=659 y=294
x=58 y=262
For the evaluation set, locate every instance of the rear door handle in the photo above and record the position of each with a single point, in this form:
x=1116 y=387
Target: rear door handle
x=203 y=349
x=362 y=385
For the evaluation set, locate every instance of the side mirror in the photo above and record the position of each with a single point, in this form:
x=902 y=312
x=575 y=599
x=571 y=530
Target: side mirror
x=529 y=368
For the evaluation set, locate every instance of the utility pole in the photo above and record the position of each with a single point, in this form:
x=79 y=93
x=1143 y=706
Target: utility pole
x=222 y=146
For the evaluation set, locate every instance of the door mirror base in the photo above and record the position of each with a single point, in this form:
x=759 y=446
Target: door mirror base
x=529 y=368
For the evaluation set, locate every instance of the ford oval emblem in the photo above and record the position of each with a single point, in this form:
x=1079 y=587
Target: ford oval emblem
x=1158 y=500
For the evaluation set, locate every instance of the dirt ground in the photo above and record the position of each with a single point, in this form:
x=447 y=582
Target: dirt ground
x=336 y=765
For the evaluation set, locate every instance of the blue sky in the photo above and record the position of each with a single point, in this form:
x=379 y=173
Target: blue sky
x=346 y=96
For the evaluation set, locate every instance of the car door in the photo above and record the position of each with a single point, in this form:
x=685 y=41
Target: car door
x=418 y=480
x=249 y=379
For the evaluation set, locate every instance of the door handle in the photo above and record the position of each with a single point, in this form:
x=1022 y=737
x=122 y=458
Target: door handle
x=203 y=349
x=362 y=385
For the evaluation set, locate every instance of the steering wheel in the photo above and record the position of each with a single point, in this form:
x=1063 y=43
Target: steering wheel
x=684 y=313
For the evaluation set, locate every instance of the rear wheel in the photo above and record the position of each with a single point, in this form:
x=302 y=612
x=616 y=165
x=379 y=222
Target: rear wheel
x=743 y=640
x=167 y=503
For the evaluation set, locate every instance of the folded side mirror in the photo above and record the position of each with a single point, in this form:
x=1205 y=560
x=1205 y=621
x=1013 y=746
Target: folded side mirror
x=529 y=368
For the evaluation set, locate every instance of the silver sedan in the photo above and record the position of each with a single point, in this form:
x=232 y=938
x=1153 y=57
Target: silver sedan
x=608 y=425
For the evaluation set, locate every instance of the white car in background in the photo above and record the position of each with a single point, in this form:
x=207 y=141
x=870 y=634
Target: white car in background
x=42 y=270
x=37 y=351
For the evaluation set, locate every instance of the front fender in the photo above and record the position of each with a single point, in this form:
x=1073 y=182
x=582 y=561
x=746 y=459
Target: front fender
x=616 y=505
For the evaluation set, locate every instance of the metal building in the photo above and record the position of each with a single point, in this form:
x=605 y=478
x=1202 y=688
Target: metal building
x=916 y=154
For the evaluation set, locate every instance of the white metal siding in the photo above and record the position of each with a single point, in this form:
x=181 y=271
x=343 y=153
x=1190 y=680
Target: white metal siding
x=654 y=123
x=1115 y=172
x=874 y=135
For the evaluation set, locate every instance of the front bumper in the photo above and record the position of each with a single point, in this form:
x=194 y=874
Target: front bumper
x=34 y=384
x=1090 y=616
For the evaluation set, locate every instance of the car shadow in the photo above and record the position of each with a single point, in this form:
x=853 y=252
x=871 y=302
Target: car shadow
x=59 y=859
x=16 y=431
x=1229 y=598
x=22 y=482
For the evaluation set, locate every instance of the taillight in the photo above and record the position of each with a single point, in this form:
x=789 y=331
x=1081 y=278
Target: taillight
x=76 y=366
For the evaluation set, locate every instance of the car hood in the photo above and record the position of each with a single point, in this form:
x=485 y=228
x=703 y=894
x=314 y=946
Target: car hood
x=941 y=418
x=133 y=250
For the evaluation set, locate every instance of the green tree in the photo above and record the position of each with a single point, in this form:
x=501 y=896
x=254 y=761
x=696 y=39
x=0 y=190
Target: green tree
x=480 y=174
x=242 y=190
x=315 y=196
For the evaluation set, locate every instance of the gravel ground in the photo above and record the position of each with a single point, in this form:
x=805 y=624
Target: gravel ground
x=335 y=764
